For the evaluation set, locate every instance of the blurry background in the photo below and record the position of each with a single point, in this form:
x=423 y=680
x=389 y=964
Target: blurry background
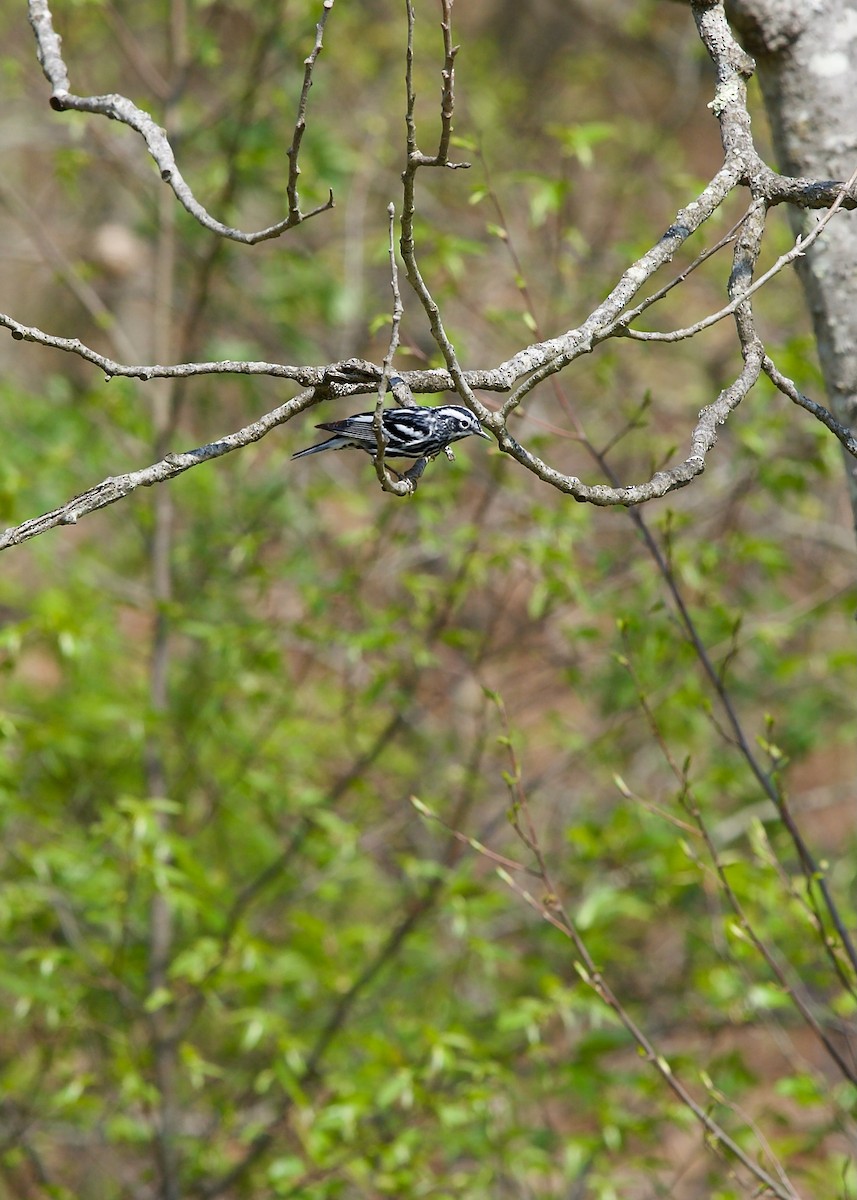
x=235 y=960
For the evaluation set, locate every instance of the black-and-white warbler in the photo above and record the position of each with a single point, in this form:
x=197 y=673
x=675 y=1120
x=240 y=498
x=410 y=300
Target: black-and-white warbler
x=418 y=432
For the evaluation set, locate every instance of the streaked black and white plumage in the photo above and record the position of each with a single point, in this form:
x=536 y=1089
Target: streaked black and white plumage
x=417 y=432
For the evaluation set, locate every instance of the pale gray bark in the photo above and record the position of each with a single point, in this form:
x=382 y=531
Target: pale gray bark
x=806 y=56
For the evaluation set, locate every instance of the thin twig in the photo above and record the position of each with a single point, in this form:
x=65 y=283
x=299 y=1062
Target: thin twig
x=702 y=257
x=498 y=859
x=404 y=485
x=447 y=100
x=552 y=910
x=789 y=388
x=812 y=872
x=293 y=152
x=802 y=244
x=691 y=806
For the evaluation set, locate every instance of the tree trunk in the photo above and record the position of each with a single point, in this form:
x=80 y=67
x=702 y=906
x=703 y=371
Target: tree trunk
x=807 y=67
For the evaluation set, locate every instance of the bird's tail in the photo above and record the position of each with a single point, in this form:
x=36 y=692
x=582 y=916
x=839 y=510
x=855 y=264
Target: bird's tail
x=330 y=444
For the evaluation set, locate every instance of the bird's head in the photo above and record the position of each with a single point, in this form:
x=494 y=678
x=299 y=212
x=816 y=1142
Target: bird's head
x=461 y=422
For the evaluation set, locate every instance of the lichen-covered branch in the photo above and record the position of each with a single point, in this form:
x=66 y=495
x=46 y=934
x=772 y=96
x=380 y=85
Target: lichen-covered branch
x=117 y=487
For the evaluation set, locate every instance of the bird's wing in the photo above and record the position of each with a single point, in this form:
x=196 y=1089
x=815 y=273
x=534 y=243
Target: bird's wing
x=359 y=426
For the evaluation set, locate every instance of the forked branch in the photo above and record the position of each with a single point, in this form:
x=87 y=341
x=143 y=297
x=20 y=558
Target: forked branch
x=119 y=108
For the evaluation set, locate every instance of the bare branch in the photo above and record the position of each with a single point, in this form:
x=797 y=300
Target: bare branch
x=117 y=487
x=546 y=358
x=405 y=485
x=343 y=378
x=295 y=216
x=352 y=371
x=703 y=438
x=788 y=388
x=120 y=108
x=447 y=101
